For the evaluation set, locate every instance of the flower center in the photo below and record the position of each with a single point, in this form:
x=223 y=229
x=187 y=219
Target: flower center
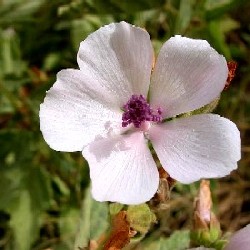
x=138 y=111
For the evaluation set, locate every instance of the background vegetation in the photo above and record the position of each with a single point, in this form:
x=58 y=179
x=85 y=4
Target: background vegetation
x=41 y=191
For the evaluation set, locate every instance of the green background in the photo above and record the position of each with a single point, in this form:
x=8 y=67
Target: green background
x=41 y=190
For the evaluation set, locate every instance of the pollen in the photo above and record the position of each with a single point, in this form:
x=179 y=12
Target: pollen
x=137 y=111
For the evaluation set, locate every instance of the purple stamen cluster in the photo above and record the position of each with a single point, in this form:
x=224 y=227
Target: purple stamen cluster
x=137 y=111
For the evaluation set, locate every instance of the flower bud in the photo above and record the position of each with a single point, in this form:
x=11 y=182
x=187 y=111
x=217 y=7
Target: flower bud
x=206 y=230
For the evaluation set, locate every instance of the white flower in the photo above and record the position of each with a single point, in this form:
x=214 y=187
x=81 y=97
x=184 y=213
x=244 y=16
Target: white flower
x=101 y=110
x=240 y=240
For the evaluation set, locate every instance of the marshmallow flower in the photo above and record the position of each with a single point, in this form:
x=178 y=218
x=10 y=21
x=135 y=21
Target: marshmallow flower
x=240 y=240
x=117 y=104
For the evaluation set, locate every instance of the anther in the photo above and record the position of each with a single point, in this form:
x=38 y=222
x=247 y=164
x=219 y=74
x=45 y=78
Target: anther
x=138 y=111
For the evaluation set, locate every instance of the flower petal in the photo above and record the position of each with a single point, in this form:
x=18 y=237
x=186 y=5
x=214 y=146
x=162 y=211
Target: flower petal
x=122 y=169
x=240 y=240
x=188 y=75
x=75 y=111
x=200 y=146
x=120 y=57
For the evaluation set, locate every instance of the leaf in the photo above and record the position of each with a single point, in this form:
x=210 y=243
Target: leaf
x=99 y=218
x=83 y=231
x=179 y=240
x=184 y=16
x=39 y=188
x=221 y=9
x=140 y=218
x=93 y=221
x=154 y=245
x=10 y=54
x=9 y=187
x=62 y=187
x=61 y=246
x=81 y=28
x=17 y=11
x=129 y=6
x=11 y=143
x=68 y=225
x=115 y=208
x=23 y=221
x=218 y=37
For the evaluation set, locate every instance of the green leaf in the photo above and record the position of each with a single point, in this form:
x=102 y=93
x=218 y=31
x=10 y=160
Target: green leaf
x=83 y=231
x=218 y=38
x=93 y=220
x=10 y=143
x=18 y=11
x=184 y=16
x=99 y=218
x=39 y=188
x=179 y=240
x=115 y=208
x=128 y=6
x=62 y=187
x=68 y=225
x=140 y=218
x=81 y=28
x=149 y=245
x=223 y=7
x=9 y=187
x=10 y=53
x=203 y=110
x=23 y=221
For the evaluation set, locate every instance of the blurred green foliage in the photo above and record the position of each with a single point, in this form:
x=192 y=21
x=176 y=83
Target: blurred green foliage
x=41 y=190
